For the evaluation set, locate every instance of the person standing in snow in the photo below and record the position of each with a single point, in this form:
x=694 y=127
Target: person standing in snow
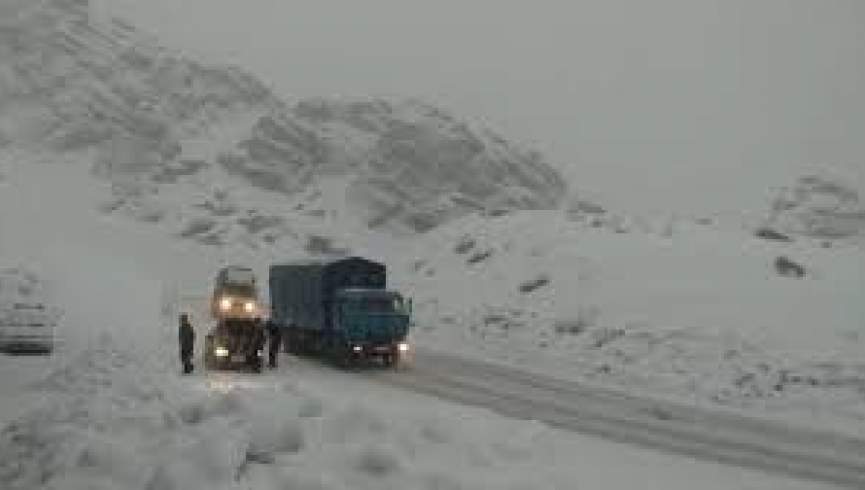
x=186 y=338
x=256 y=345
x=274 y=340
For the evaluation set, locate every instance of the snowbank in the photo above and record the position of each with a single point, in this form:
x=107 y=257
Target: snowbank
x=115 y=419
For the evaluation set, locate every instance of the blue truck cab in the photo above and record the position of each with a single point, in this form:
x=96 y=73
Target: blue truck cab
x=341 y=308
x=371 y=316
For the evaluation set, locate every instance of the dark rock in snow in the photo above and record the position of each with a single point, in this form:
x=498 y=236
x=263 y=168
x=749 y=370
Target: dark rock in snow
x=604 y=336
x=767 y=233
x=479 y=256
x=465 y=244
x=573 y=327
x=320 y=245
x=531 y=285
x=255 y=223
x=788 y=268
x=198 y=226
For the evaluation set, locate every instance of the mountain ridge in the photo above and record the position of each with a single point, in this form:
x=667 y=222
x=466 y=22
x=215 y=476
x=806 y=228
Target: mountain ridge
x=75 y=83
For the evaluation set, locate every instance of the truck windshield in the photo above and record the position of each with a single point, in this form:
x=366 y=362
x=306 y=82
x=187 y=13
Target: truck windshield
x=239 y=276
x=241 y=290
x=376 y=305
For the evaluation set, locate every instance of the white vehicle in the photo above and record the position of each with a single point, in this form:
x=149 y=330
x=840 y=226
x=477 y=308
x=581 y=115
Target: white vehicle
x=27 y=327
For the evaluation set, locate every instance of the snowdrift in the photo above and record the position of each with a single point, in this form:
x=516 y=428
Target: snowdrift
x=114 y=419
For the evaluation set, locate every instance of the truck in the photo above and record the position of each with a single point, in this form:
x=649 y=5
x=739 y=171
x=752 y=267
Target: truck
x=237 y=336
x=340 y=309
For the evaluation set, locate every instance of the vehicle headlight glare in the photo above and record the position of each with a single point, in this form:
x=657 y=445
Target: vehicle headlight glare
x=357 y=348
x=225 y=304
x=403 y=347
x=249 y=307
x=221 y=352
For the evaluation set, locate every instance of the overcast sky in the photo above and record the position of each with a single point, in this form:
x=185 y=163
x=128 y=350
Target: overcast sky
x=666 y=104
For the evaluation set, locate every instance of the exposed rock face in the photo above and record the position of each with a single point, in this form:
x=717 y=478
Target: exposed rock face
x=784 y=266
x=767 y=233
x=414 y=164
x=69 y=82
x=819 y=207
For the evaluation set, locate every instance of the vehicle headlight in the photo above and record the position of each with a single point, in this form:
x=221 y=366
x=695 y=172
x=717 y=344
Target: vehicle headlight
x=259 y=352
x=221 y=352
x=249 y=306
x=225 y=304
x=403 y=347
x=357 y=348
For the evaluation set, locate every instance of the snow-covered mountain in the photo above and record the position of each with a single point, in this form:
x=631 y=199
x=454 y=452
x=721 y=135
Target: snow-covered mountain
x=211 y=156
x=72 y=81
x=416 y=165
x=161 y=126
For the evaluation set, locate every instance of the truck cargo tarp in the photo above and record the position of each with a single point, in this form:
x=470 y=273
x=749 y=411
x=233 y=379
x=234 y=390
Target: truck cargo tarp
x=301 y=293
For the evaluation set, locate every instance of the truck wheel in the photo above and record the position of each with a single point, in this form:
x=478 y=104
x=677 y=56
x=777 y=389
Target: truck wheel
x=350 y=362
x=342 y=357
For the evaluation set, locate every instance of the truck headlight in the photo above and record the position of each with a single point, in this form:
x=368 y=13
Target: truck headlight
x=249 y=307
x=402 y=347
x=221 y=352
x=225 y=304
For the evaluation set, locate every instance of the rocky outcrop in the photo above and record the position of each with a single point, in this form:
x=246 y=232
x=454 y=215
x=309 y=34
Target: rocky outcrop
x=414 y=164
x=818 y=207
x=70 y=82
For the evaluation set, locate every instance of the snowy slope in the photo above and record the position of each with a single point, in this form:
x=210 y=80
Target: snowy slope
x=209 y=156
x=676 y=308
x=160 y=126
x=110 y=410
x=72 y=81
x=100 y=125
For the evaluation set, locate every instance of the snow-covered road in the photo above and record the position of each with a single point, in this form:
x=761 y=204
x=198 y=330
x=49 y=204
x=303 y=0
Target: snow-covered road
x=697 y=432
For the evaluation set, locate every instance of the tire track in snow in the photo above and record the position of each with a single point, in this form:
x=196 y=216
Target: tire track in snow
x=699 y=433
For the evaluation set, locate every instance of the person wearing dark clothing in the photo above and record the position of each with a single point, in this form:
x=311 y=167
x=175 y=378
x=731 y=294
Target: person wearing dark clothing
x=256 y=345
x=186 y=339
x=274 y=340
